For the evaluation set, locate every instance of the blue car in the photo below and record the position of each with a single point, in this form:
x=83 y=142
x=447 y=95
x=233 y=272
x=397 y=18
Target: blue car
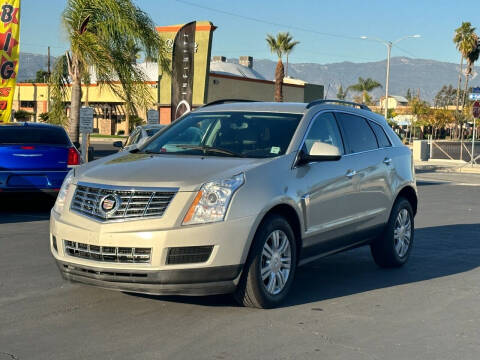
x=34 y=157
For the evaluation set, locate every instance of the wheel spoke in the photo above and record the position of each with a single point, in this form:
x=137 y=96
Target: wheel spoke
x=266 y=272
x=280 y=280
x=267 y=251
x=271 y=283
x=275 y=240
x=283 y=245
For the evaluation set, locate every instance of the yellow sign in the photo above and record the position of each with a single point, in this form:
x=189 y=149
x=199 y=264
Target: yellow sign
x=203 y=44
x=9 y=50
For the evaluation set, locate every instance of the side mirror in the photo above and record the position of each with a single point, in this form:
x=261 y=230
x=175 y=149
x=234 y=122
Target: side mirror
x=118 y=144
x=320 y=152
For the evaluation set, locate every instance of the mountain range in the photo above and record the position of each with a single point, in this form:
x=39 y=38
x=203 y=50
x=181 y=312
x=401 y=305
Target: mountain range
x=420 y=75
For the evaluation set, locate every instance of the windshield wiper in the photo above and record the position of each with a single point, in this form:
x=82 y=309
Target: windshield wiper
x=206 y=149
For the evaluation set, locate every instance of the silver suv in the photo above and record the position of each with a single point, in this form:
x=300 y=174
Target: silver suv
x=233 y=197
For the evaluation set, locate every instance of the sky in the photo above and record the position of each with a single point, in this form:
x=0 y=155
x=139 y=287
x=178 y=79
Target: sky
x=328 y=31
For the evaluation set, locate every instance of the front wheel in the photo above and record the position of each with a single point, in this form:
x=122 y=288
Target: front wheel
x=393 y=248
x=270 y=268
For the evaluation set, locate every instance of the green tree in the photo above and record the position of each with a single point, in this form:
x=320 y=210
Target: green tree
x=101 y=34
x=288 y=46
x=471 y=57
x=465 y=42
x=421 y=111
x=409 y=96
x=277 y=46
x=364 y=86
x=342 y=94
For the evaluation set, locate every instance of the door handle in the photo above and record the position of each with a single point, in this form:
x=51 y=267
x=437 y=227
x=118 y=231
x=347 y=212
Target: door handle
x=351 y=173
x=387 y=161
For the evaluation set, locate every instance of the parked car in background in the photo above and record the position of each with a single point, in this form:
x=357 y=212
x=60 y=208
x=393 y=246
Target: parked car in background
x=35 y=157
x=231 y=198
x=138 y=136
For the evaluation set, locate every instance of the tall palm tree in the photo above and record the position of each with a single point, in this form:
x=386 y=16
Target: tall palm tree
x=101 y=34
x=342 y=94
x=471 y=57
x=288 y=46
x=277 y=46
x=464 y=42
x=364 y=86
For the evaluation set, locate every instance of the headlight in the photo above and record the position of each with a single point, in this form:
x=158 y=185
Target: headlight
x=62 y=194
x=211 y=202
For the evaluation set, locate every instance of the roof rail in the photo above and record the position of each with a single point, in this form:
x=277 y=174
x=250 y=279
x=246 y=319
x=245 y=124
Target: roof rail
x=323 y=101
x=223 y=101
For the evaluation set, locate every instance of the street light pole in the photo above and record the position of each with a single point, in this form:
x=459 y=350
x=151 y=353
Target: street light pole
x=389 y=50
x=389 y=45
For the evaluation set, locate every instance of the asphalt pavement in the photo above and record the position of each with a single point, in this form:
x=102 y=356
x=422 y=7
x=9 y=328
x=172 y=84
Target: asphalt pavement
x=342 y=307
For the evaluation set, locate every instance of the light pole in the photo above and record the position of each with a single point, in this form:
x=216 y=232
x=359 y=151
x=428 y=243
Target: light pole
x=389 y=45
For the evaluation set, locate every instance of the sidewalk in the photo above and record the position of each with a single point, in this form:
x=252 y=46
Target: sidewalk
x=450 y=166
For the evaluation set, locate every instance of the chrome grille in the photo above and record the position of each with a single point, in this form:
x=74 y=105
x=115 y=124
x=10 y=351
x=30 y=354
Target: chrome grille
x=108 y=253
x=133 y=203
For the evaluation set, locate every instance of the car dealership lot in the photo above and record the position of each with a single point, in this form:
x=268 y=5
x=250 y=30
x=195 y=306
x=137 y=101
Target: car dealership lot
x=342 y=307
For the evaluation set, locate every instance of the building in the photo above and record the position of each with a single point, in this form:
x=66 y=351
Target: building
x=394 y=102
x=226 y=80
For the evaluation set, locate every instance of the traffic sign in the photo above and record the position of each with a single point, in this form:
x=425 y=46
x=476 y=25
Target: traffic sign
x=152 y=117
x=476 y=109
x=86 y=120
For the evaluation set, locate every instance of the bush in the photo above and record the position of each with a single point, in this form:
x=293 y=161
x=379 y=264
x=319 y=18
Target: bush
x=44 y=116
x=135 y=121
x=22 y=115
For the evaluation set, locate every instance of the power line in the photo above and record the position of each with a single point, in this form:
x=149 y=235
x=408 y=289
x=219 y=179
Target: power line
x=267 y=22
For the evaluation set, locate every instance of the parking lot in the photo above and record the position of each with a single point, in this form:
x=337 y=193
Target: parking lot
x=342 y=307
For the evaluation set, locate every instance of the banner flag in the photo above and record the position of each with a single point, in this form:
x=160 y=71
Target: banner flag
x=9 y=51
x=183 y=70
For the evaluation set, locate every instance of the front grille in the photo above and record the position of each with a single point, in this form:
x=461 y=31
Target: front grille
x=127 y=204
x=108 y=253
x=188 y=254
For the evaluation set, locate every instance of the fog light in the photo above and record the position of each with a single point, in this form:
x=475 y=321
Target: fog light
x=54 y=243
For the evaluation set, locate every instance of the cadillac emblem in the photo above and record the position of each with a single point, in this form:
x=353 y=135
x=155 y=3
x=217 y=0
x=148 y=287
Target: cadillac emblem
x=109 y=204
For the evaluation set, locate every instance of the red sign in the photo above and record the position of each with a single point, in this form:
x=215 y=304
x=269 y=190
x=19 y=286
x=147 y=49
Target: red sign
x=476 y=109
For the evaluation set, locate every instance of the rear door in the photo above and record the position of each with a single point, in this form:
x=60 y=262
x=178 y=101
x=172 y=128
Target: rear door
x=33 y=148
x=370 y=173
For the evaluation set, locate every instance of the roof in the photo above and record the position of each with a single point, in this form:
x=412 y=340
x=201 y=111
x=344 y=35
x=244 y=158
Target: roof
x=398 y=98
x=29 y=124
x=226 y=68
x=288 y=107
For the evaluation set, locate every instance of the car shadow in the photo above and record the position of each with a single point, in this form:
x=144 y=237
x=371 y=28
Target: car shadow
x=20 y=207
x=438 y=251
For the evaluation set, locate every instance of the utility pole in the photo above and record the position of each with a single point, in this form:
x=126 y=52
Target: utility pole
x=48 y=84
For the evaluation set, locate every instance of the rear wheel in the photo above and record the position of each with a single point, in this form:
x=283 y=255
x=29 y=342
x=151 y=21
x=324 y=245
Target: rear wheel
x=270 y=268
x=393 y=248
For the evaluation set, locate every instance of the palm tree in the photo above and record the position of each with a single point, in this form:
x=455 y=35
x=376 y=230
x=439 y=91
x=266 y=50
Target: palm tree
x=277 y=46
x=364 y=86
x=288 y=46
x=471 y=57
x=464 y=42
x=101 y=36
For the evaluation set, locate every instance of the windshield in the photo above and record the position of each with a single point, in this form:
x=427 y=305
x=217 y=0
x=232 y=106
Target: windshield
x=33 y=135
x=152 y=131
x=241 y=134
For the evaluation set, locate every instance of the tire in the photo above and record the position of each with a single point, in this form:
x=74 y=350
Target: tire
x=388 y=251
x=252 y=291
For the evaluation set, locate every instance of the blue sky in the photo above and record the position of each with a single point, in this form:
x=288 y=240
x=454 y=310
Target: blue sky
x=329 y=31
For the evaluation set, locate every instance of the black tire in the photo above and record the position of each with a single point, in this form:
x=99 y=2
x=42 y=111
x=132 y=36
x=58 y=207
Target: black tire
x=251 y=291
x=383 y=249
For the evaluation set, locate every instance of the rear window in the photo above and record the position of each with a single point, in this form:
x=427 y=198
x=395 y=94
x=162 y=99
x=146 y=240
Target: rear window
x=33 y=135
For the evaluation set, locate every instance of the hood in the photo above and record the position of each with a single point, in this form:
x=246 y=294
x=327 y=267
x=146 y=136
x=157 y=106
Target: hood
x=187 y=173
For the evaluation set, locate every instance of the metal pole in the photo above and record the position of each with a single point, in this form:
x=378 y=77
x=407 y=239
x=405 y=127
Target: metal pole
x=48 y=81
x=389 y=50
x=473 y=140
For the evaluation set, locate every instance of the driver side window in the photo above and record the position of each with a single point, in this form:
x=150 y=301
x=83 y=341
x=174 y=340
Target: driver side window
x=325 y=130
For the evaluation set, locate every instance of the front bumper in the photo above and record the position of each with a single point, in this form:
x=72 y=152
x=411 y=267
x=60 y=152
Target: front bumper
x=195 y=282
x=218 y=274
